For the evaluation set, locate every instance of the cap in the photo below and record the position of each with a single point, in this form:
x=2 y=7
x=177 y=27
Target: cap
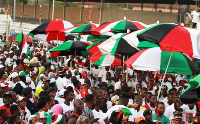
x=57 y=119
x=7 y=94
x=28 y=79
x=10 y=52
x=14 y=75
x=53 y=80
x=83 y=72
x=42 y=114
x=20 y=98
x=5 y=52
x=114 y=99
x=10 y=64
x=22 y=73
x=2 y=85
x=46 y=79
x=27 y=90
x=147 y=111
x=52 y=67
x=61 y=72
x=61 y=93
x=124 y=95
x=51 y=89
x=101 y=84
x=31 y=117
x=138 y=119
x=1 y=66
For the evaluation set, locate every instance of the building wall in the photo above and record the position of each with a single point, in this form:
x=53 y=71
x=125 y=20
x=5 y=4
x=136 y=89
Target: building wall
x=73 y=14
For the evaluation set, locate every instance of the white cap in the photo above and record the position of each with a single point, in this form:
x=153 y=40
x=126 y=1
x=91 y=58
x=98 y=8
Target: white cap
x=61 y=92
x=20 y=98
x=52 y=80
x=28 y=79
x=5 y=52
x=1 y=66
x=10 y=52
x=14 y=75
x=2 y=85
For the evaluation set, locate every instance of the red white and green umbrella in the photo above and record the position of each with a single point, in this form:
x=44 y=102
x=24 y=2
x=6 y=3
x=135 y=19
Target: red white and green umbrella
x=172 y=37
x=146 y=44
x=18 y=37
x=154 y=59
x=52 y=29
x=93 y=48
x=84 y=29
x=70 y=48
x=117 y=44
x=105 y=60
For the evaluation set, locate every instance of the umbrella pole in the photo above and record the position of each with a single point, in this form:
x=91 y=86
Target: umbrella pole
x=164 y=76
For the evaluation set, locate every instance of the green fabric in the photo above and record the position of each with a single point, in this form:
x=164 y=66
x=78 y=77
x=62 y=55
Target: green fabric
x=177 y=62
x=119 y=27
x=19 y=37
x=163 y=120
x=116 y=44
x=145 y=44
x=28 y=51
x=41 y=71
x=91 y=45
x=31 y=35
x=79 y=29
x=84 y=53
x=100 y=61
x=61 y=47
x=126 y=111
x=22 y=73
x=188 y=79
x=152 y=27
x=48 y=118
x=29 y=58
x=195 y=82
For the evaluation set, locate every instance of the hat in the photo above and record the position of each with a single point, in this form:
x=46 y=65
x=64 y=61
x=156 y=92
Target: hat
x=147 y=111
x=1 y=66
x=28 y=79
x=178 y=116
x=101 y=84
x=46 y=79
x=42 y=114
x=185 y=80
x=84 y=92
x=114 y=99
x=5 y=52
x=51 y=89
x=124 y=95
x=20 y=98
x=83 y=72
x=10 y=52
x=10 y=64
x=14 y=75
x=53 y=80
x=22 y=73
x=27 y=90
x=138 y=119
x=7 y=94
x=31 y=117
x=52 y=67
x=61 y=92
x=2 y=85
x=61 y=72
x=57 y=119
x=164 y=87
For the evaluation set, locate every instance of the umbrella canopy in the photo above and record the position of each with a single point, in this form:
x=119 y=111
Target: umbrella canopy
x=117 y=44
x=172 y=37
x=124 y=25
x=154 y=59
x=52 y=29
x=93 y=48
x=145 y=44
x=105 y=60
x=84 y=29
x=70 y=48
x=18 y=37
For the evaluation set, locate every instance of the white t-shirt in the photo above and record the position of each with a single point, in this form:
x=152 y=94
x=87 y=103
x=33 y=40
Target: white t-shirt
x=61 y=82
x=102 y=116
x=196 y=17
x=102 y=74
x=67 y=110
x=136 y=113
x=169 y=112
x=187 y=112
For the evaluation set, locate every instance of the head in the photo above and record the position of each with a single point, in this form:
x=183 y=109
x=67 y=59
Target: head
x=84 y=74
x=153 y=100
x=139 y=79
x=107 y=68
x=7 y=100
x=191 y=106
x=164 y=90
x=170 y=99
x=89 y=99
x=78 y=105
x=69 y=95
x=98 y=93
x=173 y=91
x=15 y=119
x=138 y=100
x=33 y=119
x=108 y=76
x=27 y=92
x=197 y=9
x=147 y=98
x=42 y=104
x=147 y=115
x=15 y=110
x=57 y=109
x=150 y=84
x=51 y=91
x=77 y=84
x=99 y=102
x=160 y=108
x=123 y=98
x=22 y=103
x=144 y=92
x=4 y=114
x=138 y=87
x=105 y=95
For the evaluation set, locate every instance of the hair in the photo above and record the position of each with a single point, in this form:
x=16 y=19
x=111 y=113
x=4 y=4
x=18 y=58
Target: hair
x=13 y=108
x=18 y=89
x=160 y=103
x=98 y=101
x=43 y=94
x=173 y=89
x=88 y=98
x=138 y=84
x=13 y=118
x=144 y=89
x=41 y=103
x=3 y=112
x=70 y=88
x=117 y=92
x=126 y=89
x=76 y=82
x=66 y=93
x=152 y=96
x=149 y=93
x=52 y=85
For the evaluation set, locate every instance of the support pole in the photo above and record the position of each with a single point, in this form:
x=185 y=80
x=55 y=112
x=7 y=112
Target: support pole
x=35 y=9
x=64 y=9
x=14 y=9
x=53 y=10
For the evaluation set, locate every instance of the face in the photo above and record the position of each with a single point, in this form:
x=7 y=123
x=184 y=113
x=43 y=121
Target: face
x=52 y=94
x=150 y=84
x=46 y=107
x=42 y=120
x=17 y=121
x=51 y=103
x=4 y=77
x=79 y=106
x=161 y=109
x=70 y=96
x=2 y=89
x=178 y=121
x=148 y=117
x=99 y=93
x=87 y=121
x=28 y=70
x=84 y=75
x=22 y=103
x=138 y=87
x=148 y=97
x=138 y=100
x=191 y=106
x=139 y=78
x=105 y=95
x=153 y=100
x=143 y=93
x=17 y=79
x=7 y=100
x=131 y=92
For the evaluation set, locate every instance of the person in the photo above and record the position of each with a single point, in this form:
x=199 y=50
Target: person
x=52 y=93
x=15 y=119
x=89 y=106
x=14 y=97
x=82 y=120
x=2 y=91
x=4 y=115
x=123 y=102
x=46 y=82
x=78 y=110
x=7 y=100
x=106 y=103
x=43 y=117
x=61 y=82
x=195 y=17
x=68 y=106
x=137 y=109
x=77 y=86
x=169 y=100
x=33 y=119
x=148 y=116
x=159 y=117
x=22 y=104
x=152 y=103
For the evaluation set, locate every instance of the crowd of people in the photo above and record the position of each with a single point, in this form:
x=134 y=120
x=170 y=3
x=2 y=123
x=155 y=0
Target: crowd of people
x=69 y=89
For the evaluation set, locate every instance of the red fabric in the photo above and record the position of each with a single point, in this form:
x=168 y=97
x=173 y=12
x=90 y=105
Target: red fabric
x=138 y=25
x=146 y=106
x=22 y=67
x=8 y=109
x=84 y=92
x=28 y=39
x=76 y=90
x=55 y=54
x=120 y=114
x=173 y=41
x=82 y=64
x=94 y=48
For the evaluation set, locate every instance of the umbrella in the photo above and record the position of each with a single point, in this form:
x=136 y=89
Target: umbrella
x=84 y=29
x=172 y=37
x=117 y=44
x=52 y=29
x=93 y=48
x=105 y=60
x=70 y=48
x=18 y=37
x=154 y=59
x=124 y=25
x=145 y=44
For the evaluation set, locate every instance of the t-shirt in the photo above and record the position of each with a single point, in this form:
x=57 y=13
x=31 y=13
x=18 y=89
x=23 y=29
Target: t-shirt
x=163 y=120
x=8 y=109
x=67 y=110
x=169 y=112
x=187 y=113
x=196 y=17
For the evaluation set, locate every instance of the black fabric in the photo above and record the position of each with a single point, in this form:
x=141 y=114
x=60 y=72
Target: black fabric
x=156 y=34
x=40 y=29
x=87 y=29
x=130 y=26
x=124 y=47
x=71 y=52
x=189 y=96
x=31 y=107
x=104 y=108
x=191 y=64
x=78 y=45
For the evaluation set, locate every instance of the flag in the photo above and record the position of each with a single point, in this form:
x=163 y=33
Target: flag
x=24 y=46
